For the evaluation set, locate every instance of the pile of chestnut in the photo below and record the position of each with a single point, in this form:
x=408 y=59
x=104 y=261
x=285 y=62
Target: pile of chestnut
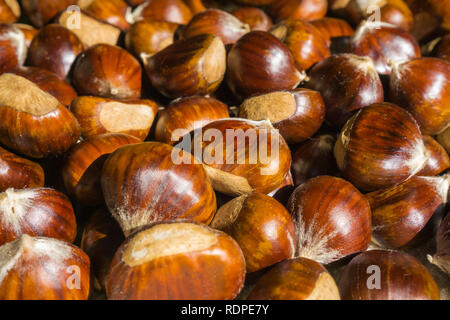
x=96 y=97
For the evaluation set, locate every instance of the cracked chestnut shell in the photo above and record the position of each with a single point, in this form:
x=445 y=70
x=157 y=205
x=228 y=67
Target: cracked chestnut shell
x=297 y=9
x=150 y=265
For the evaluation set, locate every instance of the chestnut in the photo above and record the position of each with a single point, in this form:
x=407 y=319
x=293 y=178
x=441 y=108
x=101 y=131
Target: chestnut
x=81 y=172
x=442 y=10
x=255 y=2
x=152 y=264
x=27 y=264
x=426 y=22
x=19 y=173
x=13 y=49
x=297 y=9
x=442 y=48
x=261 y=226
x=307 y=44
x=34 y=123
x=147 y=37
x=218 y=22
x=101 y=238
x=444 y=139
x=196 y=6
x=297 y=114
x=38 y=212
x=187 y=114
x=240 y=156
x=192 y=66
x=260 y=63
x=89 y=30
x=50 y=82
x=387 y=275
x=142 y=184
x=347 y=83
x=9 y=11
x=422 y=86
x=40 y=12
x=332 y=28
x=255 y=18
x=442 y=257
x=113 y=12
x=175 y=11
x=314 y=158
x=332 y=219
x=401 y=212
x=385 y=44
x=28 y=31
x=108 y=71
x=97 y=116
x=380 y=146
x=438 y=159
x=296 y=279
x=54 y=48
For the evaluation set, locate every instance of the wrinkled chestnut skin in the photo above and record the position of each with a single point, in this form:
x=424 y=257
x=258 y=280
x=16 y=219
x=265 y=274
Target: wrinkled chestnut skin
x=296 y=279
x=402 y=278
x=422 y=86
x=272 y=68
x=298 y=9
x=384 y=44
x=263 y=229
x=332 y=219
x=111 y=11
x=379 y=147
x=40 y=12
x=142 y=184
x=188 y=114
x=218 y=22
x=12 y=48
x=438 y=160
x=442 y=48
x=19 y=173
x=174 y=11
x=54 y=48
x=333 y=28
x=108 y=71
x=82 y=170
x=213 y=273
x=306 y=43
x=256 y=18
x=314 y=158
x=50 y=82
x=347 y=83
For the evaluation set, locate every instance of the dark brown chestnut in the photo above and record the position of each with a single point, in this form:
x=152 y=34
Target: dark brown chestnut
x=40 y=12
x=256 y=18
x=13 y=49
x=255 y=2
x=175 y=11
x=113 y=12
x=442 y=48
x=347 y=83
x=438 y=158
x=297 y=9
x=442 y=256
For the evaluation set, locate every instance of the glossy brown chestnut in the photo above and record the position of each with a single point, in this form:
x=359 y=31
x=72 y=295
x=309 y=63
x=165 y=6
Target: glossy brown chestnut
x=442 y=256
x=34 y=122
x=196 y=6
x=101 y=238
x=256 y=18
x=314 y=158
x=28 y=31
x=218 y=22
x=142 y=184
x=19 y=173
x=188 y=67
x=297 y=9
x=102 y=115
x=400 y=212
x=255 y=2
x=442 y=48
x=379 y=147
x=113 y=12
x=175 y=11
x=261 y=226
x=272 y=68
x=387 y=275
x=241 y=156
x=50 y=82
x=296 y=279
x=27 y=264
x=108 y=71
x=347 y=83
x=186 y=114
x=384 y=44
x=13 y=49
x=150 y=264
x=147 y=37
x=333 y=28
x=438 y=159
x=40 y=12
x=82 y=170
x=332 y=219
x=39 y=212
x=54 y=48
x=422 y=86
x=307 y=44
x=9 y=11
x=297 y=114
